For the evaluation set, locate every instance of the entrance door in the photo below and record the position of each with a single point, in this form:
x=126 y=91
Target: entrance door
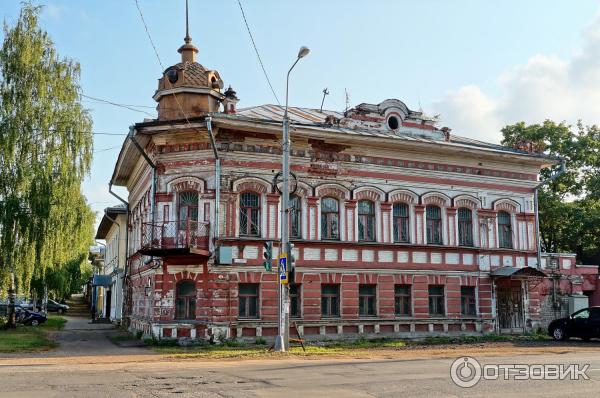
x=108 y=303
x=510 y=309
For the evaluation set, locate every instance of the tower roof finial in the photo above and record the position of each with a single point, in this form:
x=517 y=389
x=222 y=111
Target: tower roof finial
x=187 y=39
x=188 y=51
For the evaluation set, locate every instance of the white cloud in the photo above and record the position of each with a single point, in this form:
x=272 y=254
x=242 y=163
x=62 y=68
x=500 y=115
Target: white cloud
x=545 y=87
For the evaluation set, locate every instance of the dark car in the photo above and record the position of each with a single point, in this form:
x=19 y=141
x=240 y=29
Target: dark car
x=53 y=306
x=584 y=324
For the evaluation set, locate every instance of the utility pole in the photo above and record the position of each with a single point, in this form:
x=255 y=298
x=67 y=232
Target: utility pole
x=282 y=341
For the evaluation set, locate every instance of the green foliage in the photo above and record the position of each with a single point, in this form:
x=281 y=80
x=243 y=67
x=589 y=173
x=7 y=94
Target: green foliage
x=569 y=207
x=45 y=152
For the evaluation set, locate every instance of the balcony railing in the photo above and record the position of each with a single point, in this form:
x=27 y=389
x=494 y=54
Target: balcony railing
x=170 y=235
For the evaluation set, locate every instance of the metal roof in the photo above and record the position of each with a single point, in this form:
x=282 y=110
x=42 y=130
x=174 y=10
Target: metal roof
x=106 y=222
x=517 y=272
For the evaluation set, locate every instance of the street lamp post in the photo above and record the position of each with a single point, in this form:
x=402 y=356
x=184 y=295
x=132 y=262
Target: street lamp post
x=283 y=338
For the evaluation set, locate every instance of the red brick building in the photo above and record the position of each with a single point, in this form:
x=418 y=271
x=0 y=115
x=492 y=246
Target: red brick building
x=400 y=227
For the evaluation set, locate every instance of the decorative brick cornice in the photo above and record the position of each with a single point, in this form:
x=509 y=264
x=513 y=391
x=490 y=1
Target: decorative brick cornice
x=451 y=211
x=273 y=198
x=351 y=204
x=386 y=206
x=419 y=208
x=312 y=200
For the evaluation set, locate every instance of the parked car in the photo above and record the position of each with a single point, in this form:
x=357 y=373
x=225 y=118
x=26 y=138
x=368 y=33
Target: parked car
x=31 y=318
x=584 y=324
x=53 y=306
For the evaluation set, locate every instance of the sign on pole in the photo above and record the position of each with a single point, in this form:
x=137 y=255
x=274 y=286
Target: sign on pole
x=282 y=266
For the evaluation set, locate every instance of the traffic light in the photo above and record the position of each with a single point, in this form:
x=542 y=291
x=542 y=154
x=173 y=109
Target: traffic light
x=268 y=255
x=291 y=263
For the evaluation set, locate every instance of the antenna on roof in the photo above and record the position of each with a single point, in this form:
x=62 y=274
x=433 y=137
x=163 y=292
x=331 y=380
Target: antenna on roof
x=188 y=39
x=325 y=92
x=347 y=100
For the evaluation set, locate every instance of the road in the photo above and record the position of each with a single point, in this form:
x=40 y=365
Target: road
x=75 y=371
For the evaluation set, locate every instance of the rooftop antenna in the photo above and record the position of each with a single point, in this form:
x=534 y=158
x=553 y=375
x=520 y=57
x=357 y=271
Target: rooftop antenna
x=187 y=39
x=347 y=100
x=325 y=92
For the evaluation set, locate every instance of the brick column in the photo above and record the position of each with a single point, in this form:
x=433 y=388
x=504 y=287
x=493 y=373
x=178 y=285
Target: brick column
x=312 y=225
x=272 y=215
x=350 y=234
x=451 y=226
x=386 y=225
x=420 y=226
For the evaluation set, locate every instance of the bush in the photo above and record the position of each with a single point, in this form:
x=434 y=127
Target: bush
x=260 y=341
x=3 y=322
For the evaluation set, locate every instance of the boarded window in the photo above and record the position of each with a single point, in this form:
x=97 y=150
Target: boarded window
x=465 y=227
x=402 y=300
x=330 y=214
x=434 y=225
x=401 y=223
x=504 y=230
x=248 y=300
x=366 y=220
x=367 y=300
x=330 y=301
x=249 y=214
x=185 y=301
x=467 y=300
x=436 y=300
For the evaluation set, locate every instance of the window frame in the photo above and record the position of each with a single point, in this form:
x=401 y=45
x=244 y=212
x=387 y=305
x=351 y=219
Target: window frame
x=295 y=217
x=246 y=314
x=434 y=225
x=400 y=222
x=246 y=210
x=505 y=231
x=436 y=300
x=189 y=300
x=468 y=301
x=296 y=300
x=465 y=226
x=331 y=298
x=327 y=217
x=182 y=222
x=402 y=298
x=367 y=230
x=367 y=300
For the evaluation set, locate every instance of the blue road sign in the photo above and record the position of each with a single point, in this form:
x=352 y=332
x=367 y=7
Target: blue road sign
x=282 y=265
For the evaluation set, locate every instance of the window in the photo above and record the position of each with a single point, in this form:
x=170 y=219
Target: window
x=402 y=300
x=436 y=300
x=366 y=220
x=295 y=301
x=504 y=230
x=248 y=298
x=434 y=225
x=330 y=300
x=330 y=213
x=465 y=227
x=393 y=122
x=401 y=222
x=367 y=300
x=249 y=214
x=583 y=314
x=188 y=209
x=467 y=300
x=295 y=217
x=185 y=303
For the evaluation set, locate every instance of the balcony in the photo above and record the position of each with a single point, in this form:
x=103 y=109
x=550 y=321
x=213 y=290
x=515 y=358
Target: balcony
x=175 y=238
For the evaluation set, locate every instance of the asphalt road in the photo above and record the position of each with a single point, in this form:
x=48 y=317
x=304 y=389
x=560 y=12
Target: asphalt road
x=89 y=365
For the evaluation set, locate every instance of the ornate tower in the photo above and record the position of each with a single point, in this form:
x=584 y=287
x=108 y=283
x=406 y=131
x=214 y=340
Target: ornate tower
x=187 y=89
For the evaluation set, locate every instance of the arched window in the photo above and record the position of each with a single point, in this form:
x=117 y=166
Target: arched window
x=434 y=225
x=401 y=222
x=295 y=217
x=366 y=220
x=188 y=209
x=330 y=214
x=185 y=304
x=465 y=227
x=504 y=230
x=249 y=214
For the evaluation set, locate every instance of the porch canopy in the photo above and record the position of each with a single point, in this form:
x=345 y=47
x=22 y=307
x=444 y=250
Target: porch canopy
x=102 y=280
x=517 y=273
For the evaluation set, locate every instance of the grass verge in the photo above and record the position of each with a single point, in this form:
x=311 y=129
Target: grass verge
x=30 y=338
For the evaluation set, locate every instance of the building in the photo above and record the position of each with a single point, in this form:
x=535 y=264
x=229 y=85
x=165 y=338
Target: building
x=113 y=230
x=400 y=227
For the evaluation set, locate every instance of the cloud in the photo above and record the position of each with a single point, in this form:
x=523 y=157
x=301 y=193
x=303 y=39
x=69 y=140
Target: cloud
x=545 y=87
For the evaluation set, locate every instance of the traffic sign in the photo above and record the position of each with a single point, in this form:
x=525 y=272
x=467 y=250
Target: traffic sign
x=283 y=269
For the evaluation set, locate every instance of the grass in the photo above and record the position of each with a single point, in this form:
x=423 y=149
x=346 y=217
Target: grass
x=30 y=338
x=233 y=349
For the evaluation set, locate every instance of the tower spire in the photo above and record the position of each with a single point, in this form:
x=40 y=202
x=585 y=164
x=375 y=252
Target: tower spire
x=188 y=50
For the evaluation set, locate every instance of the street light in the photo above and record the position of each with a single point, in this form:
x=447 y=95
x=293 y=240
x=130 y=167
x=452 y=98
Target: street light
x=283 y=338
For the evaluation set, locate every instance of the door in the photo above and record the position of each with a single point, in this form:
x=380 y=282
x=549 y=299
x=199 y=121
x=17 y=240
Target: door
x=580 y=324
x=510 y=309
x=595 y=321
x=108 y=302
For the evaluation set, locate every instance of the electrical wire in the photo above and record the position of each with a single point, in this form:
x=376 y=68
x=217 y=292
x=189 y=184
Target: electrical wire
x=130 y=107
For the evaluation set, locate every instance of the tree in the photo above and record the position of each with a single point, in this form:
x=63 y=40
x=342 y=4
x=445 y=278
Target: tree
x=45 y=152
x=569 y=207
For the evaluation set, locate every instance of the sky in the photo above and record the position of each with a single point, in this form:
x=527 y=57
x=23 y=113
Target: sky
x=479 y=64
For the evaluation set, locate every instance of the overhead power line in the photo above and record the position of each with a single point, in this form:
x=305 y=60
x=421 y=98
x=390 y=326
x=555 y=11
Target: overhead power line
x=130 y=107
x=257 y=53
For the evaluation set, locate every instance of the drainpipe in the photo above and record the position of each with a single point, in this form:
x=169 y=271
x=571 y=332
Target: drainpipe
x=560 y=172
x=217 y=179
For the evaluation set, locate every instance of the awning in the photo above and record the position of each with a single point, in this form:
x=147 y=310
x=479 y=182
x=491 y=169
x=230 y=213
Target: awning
x=513 y=272
x=102 y=280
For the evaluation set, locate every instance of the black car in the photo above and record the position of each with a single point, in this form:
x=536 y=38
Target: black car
x=584 y=324
x=53 y=306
